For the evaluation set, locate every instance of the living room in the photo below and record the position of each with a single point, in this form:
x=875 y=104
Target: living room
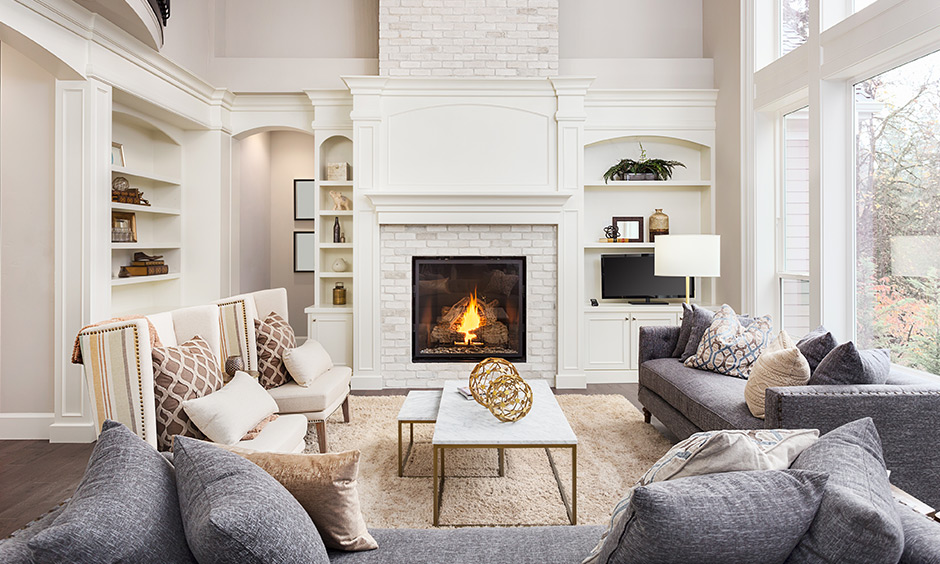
x=641 y=210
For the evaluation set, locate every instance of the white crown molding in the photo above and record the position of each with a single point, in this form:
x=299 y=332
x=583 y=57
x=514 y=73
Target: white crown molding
x=454 y=86
x=481 y=206
x=609 y=97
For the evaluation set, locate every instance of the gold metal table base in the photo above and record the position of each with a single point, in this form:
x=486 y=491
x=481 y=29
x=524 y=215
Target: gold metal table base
x=571 y=506
x=403 y=459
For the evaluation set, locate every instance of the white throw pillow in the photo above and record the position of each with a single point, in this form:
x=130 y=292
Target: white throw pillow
x=227 y=414
x=307 y=362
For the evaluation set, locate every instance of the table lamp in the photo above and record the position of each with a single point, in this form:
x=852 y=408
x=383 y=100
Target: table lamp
x=687 y=255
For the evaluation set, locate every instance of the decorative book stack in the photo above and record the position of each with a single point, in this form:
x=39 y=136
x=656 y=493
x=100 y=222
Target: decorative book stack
x=144 y=265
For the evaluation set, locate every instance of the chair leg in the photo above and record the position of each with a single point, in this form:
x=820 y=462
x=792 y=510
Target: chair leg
x=647 y=416
x=346 y=410
x=321 y=434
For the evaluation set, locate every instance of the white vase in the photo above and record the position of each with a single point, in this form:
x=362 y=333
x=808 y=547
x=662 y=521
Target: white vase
x=339 y=265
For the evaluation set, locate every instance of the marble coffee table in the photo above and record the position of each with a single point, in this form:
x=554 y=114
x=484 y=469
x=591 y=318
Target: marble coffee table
x=464 y=423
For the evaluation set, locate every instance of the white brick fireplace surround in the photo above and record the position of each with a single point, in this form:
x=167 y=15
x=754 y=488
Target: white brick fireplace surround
x=538 y=243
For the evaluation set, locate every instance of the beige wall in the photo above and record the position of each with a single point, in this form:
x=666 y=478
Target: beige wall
x=291 y=157
x=253 y=156
x=27 y=102
x=722 y=42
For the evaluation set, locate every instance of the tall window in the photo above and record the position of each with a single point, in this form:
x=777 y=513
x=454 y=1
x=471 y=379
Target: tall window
x=794 y=24
x=898 y=213
x=793 y=225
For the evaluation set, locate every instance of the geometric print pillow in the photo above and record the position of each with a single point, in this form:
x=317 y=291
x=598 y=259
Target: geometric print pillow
x=730 y=348
x=275 y=337
x=181 y=373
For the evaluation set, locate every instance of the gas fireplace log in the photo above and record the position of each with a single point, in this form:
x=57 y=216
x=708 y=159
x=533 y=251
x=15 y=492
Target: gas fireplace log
x=495 y=334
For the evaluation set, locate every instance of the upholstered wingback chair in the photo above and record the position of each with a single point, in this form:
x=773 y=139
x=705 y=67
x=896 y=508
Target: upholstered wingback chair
x=320 y=399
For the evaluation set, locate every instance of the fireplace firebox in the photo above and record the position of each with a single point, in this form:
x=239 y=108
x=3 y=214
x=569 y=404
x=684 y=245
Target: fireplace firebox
x=468 y=308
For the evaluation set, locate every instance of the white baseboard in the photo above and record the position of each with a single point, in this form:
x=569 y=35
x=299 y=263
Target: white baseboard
x=570 y=381
x=612 y=377
x=72 y=433
x=18 y=426
x=369 y=382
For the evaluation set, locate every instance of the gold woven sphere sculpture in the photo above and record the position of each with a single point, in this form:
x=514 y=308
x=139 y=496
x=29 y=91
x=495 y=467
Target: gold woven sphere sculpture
x=485 y=372
x=510 y=397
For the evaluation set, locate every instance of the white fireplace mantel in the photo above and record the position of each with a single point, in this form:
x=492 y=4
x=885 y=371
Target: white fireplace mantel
x=478 y=207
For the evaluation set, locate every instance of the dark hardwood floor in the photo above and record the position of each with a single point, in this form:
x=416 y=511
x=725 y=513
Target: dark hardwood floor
x=35 y=476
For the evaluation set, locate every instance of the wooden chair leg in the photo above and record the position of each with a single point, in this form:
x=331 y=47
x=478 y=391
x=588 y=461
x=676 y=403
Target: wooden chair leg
x=346 y=410
x=321 y=434
x=647 y=416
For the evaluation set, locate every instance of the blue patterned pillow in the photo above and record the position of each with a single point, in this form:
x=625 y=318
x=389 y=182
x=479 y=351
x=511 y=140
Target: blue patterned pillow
x=729 y=347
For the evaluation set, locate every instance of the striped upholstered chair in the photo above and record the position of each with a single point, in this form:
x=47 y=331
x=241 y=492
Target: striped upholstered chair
x=319 y=400
x=118 y=368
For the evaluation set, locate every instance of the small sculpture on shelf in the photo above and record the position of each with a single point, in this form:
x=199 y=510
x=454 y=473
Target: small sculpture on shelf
x=122 y=193
x=612 y=233
x=340 y=202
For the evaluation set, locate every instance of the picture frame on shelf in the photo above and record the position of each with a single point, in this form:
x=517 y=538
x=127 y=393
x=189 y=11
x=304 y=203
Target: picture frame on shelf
x=117 y=155
x=305 y=251
x=123 y=227
x=630 y=228
x=305 y=199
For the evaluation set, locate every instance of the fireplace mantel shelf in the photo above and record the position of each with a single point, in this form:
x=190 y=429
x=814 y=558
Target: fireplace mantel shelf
x=479 y=201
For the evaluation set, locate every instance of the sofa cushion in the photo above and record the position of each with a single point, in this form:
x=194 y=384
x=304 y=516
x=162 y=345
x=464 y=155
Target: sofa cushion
x=815 y=345
x=326 y=486
x=285 y=434
x=228 y=414
x=763 y=513
x=275 y=337
x=921 y=537
x=729 y=347
x=182 y=373
x=731 y=450
x=846 y=364
x=519 y=545
x=700 y=322
x=858 y=520
x=685 y=329
x=781 y=364
x=124 y=510
x=324 y=391
x=233 y=511
x=710 y=401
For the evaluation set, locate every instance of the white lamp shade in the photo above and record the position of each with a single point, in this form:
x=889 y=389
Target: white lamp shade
x=688 y=255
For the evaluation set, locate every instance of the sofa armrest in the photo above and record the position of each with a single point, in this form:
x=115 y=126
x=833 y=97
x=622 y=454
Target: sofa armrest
x=907 y=419
x=657 y=342
x=118 y=369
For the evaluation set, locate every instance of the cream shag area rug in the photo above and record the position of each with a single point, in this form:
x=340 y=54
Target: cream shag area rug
x=615 y=447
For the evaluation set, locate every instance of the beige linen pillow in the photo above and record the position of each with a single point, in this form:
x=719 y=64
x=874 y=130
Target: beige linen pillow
x=326 y=486
x=227 y=415
x=307 y=362
x=781 y=364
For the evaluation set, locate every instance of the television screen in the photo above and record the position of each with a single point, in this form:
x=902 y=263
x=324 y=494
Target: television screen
x=631 y=277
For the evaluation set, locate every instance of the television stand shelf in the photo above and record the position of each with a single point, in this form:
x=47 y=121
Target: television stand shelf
x=611 y=333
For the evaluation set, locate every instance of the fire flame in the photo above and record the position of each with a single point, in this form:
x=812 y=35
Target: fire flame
x=471 y=320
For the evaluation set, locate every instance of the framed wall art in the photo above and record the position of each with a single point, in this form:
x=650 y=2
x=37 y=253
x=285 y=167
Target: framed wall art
x=631 y=228
x=305 y=199
x=305 y=251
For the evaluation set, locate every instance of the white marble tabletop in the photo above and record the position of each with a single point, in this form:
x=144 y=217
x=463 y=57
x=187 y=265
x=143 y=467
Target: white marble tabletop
x=466 y=422
x=420 y=405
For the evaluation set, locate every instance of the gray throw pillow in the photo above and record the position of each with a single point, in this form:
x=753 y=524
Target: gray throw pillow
x=815 y=345
x=846 y=364
x=124 y=510
x=233 y=511
x=730 y=517
x=685 y=329
x=701 y=321
x=858 y=521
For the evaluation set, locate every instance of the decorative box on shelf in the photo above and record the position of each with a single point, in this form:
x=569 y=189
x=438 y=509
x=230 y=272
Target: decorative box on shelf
x=337 y=172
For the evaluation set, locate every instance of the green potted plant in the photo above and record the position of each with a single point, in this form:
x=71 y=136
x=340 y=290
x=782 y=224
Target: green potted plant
x=642 y=169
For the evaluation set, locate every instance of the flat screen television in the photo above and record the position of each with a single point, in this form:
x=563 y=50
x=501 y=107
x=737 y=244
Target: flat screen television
x=631 y=277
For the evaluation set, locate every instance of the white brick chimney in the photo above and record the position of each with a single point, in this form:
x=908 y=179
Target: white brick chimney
x=512 y=38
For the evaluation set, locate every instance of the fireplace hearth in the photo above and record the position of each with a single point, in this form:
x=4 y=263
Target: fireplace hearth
x=468 y=308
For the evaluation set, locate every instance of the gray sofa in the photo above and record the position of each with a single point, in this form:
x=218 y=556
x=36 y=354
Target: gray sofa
x=906 y=410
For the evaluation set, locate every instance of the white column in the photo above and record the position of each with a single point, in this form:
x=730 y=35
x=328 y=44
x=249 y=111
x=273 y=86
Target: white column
x=570 y=118
x=83 y=237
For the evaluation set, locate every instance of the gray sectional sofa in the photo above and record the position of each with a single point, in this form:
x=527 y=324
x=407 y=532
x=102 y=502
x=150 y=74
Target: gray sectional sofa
x=906 y=410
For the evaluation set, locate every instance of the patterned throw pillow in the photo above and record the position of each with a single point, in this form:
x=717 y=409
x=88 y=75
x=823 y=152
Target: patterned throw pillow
x=182 y=373
x=781 y=364
x=728 y=347
x=275 y=336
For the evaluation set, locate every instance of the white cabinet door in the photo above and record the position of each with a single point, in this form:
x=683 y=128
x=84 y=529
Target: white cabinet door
x=334 y=331
x=641 y=319
x=607 y=335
